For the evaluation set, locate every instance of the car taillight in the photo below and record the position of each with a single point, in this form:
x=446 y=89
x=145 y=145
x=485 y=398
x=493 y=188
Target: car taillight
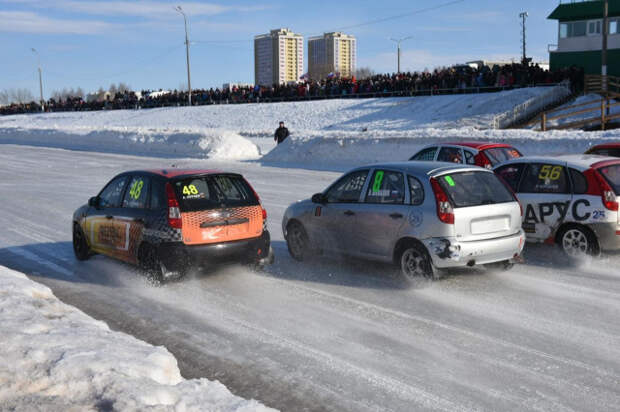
x=445 y=213
x=608 y=196
x=264 y=214
x=482 y=160
x=174 y=213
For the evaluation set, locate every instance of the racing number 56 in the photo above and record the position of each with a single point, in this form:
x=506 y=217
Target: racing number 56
x=550 y=172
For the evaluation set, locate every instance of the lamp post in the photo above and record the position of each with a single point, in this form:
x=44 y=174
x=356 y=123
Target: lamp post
x=604 y=45
x=398 y=42
x=40 y=79
x=189 y=79
x=523 y=16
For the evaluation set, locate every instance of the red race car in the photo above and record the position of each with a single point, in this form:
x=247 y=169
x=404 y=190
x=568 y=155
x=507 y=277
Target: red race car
x=473 y=153
x=606 y=149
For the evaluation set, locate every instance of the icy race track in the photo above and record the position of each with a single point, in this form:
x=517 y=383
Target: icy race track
x=329 y=335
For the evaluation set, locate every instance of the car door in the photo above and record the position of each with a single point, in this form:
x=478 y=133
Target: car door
x=107 y=234
x=545 y=195
x=134 y=212
x=336 y=219
x=382 y=214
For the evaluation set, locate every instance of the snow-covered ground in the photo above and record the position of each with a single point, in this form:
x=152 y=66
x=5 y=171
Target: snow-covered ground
x=54 y=357
x=323 y=334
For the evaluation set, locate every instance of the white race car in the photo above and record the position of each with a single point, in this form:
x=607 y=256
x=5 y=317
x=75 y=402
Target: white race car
x=568 y=200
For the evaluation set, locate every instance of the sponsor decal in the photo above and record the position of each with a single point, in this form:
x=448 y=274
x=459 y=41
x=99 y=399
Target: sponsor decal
x=548 y=209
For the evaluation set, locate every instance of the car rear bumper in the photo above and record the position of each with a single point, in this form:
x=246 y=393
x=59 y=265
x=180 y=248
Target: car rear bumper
x=176 y=254
x=608 y=235
x=449 y=252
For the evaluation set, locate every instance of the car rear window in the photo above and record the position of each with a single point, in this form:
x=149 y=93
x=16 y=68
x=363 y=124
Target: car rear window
x=612 y=175
x=466 y=189
x=611 y=151
x=500 y=154
x=213 y=192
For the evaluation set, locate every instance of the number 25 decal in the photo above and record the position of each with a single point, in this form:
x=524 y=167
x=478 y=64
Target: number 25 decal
x=190 y=190
x=550 y=172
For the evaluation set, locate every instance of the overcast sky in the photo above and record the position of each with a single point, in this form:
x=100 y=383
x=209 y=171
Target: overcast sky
x=92 y=43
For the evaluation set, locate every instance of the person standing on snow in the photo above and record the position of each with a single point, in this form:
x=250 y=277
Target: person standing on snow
x=281 y=133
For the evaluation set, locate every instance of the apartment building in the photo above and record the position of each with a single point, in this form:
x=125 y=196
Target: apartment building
x=278 y=57
x=332 y=53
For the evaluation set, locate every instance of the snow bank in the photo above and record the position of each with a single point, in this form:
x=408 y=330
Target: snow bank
x=54 y=357
x=212 y=144
x=340 y=150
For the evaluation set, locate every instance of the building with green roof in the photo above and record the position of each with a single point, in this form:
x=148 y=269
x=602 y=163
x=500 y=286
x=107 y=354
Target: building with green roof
x=580 y=38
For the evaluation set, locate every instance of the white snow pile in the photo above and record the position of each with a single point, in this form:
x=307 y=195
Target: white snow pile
x=54 y=357
x=212 y=144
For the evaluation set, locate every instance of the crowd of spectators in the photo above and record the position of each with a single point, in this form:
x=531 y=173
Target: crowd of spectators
x=456 y=79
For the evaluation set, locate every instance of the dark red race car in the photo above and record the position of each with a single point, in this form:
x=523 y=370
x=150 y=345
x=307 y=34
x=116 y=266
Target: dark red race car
x=474 y=153
x=606 y=149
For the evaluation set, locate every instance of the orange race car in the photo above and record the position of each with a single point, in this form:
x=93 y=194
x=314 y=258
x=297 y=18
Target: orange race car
x=167 y=221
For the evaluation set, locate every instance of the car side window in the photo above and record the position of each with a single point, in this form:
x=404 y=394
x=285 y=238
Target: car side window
x=416 y=191
x=111 y=195
x=450 y=154
x=425 y=154
x=386 y=186
x=469 y=157
x=136 y=193
x=511 y=175
x=580 y=183
x=348 y=189
x=544 y=178
x=158 y=194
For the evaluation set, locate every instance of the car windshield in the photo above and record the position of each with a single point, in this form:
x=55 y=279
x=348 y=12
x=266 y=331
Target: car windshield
x=612 y=175
x=500 y=154
x=213 y=192
x=466 y=189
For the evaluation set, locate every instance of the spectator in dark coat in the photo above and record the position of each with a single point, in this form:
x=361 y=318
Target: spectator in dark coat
x=281 y=133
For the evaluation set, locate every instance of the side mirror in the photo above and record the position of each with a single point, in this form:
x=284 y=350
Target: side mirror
x=319 y=198
x=94 y=202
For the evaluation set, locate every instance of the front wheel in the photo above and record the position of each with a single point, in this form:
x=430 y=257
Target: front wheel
x=415 y=263
x=80 y=245
x=578 y=242
x=297 y=241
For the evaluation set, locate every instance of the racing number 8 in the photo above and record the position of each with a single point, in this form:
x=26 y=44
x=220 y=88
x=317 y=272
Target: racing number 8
x=136 y=189
x=190 y=190
x=549 y=172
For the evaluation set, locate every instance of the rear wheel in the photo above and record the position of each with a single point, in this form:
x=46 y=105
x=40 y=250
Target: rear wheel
x=578 y=242
x=80 y=245
x=153 y=267
x=415 y=263
x=297 y=241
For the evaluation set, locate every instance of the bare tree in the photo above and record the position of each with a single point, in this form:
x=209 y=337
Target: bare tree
x=364 y=72
x=18 y=96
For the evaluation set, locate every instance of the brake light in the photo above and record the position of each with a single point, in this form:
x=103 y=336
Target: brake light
x=264 y=214
x=174 y=213
x=608 y=196
x=482 y=160
x=445 y=213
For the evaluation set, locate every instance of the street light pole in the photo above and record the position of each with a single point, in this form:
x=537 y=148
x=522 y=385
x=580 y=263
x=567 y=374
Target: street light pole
x=398 y=42
x=40 y=79
x=523 y=16
x=189 y=78
x=604 y=48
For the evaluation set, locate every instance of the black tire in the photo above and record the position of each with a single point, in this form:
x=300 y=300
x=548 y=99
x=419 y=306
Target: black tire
x=297 y=241
x=577 y=242
x=415 y=263
x=149 y=264
x=80 y=245
x=503 y=266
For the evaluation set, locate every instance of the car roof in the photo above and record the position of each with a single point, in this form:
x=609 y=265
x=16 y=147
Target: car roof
x=611 y=145
x=576 y=161
x=170 y=173
x=421 y=167
x=478 y=145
